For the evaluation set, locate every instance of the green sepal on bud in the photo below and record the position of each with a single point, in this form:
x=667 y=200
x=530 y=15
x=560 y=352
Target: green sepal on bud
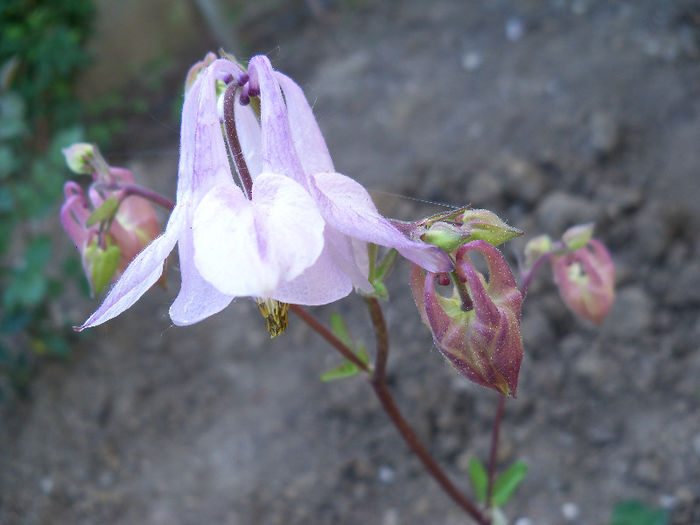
x=80 y=157
x=577 y=236
x=105 y=213
x=102 y=263
x=536 y=248
x=446 y=236
x=484 y=225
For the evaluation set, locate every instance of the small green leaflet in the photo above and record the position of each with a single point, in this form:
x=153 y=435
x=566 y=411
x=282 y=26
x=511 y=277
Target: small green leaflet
x=340 y=330
x=633 y=512
x=479 y=478
x=507 y=482
x=104 y=213
x=346 y=369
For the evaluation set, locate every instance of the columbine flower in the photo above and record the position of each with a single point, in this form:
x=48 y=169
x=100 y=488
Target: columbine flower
x=291 y=234
x=351 y=217
x=269 y=244
x=477 y=330
x=586 y=280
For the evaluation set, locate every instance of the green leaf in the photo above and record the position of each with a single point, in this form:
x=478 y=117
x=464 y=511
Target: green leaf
x=38 y=252
x=507 y=482
x=633 y=512
x=9 y=161
x=340 y=330
x=386 y=264
x=479 y=478
x=342 y=371
x=103 y=264
x=380 y=291
x=12 y=120
x=346 y=369
x=104 y=213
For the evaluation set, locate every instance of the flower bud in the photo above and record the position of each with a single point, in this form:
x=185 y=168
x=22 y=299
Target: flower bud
x=197 y=68
x=577 y=236
x=484 y=225
x=101 y=265
x=455 y=228
x=108 y=230
x=536 y=248
x=445 y=236
x=79 y=157
x=135 y=222
x=477 y=330
x=586 y=280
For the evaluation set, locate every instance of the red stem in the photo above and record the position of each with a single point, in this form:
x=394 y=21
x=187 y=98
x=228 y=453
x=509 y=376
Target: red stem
x=494 y=447
x=381 y=390
x=527 y=278
x=329 y=336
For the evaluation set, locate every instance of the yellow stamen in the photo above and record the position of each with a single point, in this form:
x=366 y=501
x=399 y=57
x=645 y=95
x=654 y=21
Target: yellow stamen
x=275 y=314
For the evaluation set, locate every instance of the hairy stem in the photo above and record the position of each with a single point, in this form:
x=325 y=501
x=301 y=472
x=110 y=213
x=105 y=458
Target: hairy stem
x=329 y=336
x=381 y=390
x=377 y=379
x=139 y=191
x=494 y=447
x=528 y=276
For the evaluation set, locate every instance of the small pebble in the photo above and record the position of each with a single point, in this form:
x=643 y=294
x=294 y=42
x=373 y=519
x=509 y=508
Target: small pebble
x=570 y=511
x=391 y=517
x=667 y=501
x=696 y=444
x=523 y=521
x=386 y=474
x=46 y=484
x=515 y=29
x=471 y=60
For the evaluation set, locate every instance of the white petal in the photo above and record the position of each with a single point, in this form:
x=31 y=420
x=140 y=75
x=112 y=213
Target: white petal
x=347 y=206
x=248 y=129
x=328 y=280
x=247 y=248
x=292 y=223
x=308 y=139
x=197 y=299
x=226 y=244
x=140 y=275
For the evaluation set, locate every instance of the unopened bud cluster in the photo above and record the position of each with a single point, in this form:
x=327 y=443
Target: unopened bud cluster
x=108 y=227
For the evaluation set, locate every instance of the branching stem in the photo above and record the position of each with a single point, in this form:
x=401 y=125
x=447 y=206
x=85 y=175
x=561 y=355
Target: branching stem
x=377 y=379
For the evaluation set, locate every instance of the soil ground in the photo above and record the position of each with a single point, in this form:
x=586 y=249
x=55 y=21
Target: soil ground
x=549 y=113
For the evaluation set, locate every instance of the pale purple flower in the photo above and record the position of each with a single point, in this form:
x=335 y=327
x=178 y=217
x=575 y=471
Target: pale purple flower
x=298 y=237
x=351 y=217
x=269 y=244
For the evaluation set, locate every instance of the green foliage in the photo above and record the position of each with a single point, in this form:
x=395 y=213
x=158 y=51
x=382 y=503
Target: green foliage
x=346 y=369
x=507 y=482
x=503 y=487
x=633 y=512
x=479 y=478
x=41 y=50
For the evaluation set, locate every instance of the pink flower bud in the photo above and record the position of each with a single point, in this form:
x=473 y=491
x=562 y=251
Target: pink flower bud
x=105 y=253
x=135 y=223
x=477 y=329
x=586 y=280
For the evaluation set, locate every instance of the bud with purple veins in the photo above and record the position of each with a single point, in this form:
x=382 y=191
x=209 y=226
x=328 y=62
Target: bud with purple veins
x=478 y=328
x=586 y=280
